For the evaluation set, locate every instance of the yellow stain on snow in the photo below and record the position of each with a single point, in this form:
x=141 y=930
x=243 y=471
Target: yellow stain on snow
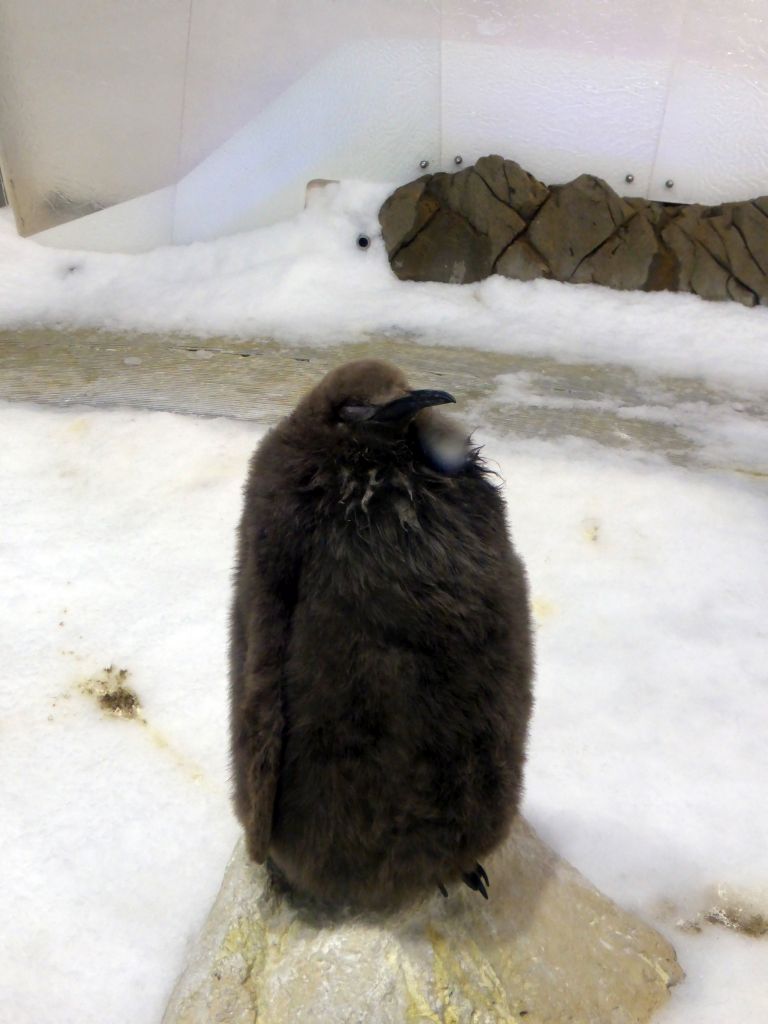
x=79 y=427
x=185 y=764
x=543 y=609
x=590 y=529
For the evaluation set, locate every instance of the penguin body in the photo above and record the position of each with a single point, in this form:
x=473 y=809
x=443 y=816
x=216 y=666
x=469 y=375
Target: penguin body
x=380 y=650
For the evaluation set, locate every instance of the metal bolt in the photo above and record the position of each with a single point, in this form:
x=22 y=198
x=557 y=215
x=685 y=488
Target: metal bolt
x=458 y=159
x=423 y=164
x=669 y=183
x=629 y=178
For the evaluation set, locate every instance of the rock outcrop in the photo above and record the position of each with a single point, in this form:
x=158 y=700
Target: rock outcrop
x=547 y=947
x=495 y=218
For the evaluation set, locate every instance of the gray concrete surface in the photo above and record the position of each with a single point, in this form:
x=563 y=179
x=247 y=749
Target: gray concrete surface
x=261 y=379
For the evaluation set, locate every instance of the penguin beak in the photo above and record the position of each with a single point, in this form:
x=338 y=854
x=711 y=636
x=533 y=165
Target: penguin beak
x=407 y=406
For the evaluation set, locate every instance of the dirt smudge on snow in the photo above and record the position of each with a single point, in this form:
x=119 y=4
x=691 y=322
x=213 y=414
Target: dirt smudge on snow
x=114 y=695
x=727 y=910
x=590 y=528
x=739 y=919
x=110 y=690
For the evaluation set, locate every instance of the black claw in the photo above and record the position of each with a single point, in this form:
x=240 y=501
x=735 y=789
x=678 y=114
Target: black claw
x=475 y=882
x=442 y=889
x=481 y=871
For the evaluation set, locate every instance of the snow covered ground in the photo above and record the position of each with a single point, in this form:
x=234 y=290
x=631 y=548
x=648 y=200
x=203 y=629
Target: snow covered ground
x=648 y=764
x=306 y=280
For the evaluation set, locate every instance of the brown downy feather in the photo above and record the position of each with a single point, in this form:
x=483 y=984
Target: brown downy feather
x=381 y=656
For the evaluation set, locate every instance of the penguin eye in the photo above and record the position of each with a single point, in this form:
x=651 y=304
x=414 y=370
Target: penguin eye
x=354 y=410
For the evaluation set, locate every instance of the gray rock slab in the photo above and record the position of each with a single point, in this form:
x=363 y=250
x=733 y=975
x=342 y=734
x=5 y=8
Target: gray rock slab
x=547 y=948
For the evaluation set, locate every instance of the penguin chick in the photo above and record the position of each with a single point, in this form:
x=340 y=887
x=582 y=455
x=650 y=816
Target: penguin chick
x=380 y=648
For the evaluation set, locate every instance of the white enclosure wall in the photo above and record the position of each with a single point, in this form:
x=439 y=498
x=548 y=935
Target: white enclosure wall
x=222 y=110
x=284 y=91
x=714 y=140
x=91 y=100
x=562 y=87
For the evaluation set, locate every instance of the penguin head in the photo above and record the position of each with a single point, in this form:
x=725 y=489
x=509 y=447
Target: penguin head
x=370 y=398
x=368 y=393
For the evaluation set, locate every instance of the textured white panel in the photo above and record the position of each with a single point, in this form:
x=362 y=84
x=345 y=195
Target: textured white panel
x=245 y=100
x=133 y=226
x=101 y=102
x=348 y=116
x=714 y=143
x=244 y=54
x=562 y=88
x=90 y=102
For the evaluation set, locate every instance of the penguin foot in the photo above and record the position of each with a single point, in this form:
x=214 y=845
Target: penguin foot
x=442 y=889
x=477 y=880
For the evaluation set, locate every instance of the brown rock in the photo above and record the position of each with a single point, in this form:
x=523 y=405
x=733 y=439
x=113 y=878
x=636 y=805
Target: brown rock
x=526 y=193
x=575 y=220
x=739 y=293
x=405 y=213
x=496 y=218
x=468 y=195
x=447 y=249
x=702 y=259
x=664 y=271
x=744 y=233
x=522 y=262
x=624 y=260
x=491 y=170
x=512 y=185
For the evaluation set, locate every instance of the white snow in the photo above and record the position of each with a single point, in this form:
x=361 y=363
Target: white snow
x=304 y=279
x=114 y=834
x=724 y=430
x=648 y=763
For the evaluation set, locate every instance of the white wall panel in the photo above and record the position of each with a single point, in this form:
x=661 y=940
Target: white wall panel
x=561 y=87
x=283 y=91
x=714 y=142
x=245 y=54
x=135 y=225
x=91 y=98
x=239 y=101
x=348 y=116
x=219 y=111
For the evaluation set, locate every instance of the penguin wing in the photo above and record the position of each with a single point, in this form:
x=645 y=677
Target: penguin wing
x=265 y=597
